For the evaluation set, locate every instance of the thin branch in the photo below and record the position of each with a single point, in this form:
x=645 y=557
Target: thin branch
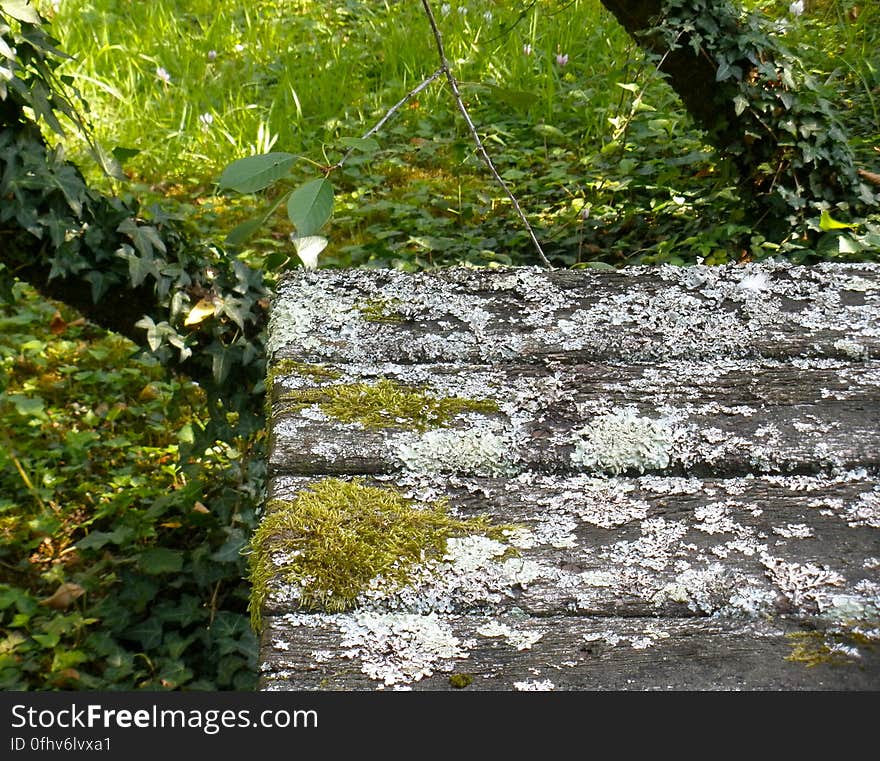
x=388 y=114
x=456 y=94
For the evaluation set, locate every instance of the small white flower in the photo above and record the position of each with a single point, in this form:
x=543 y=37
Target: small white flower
x=488 y=16
x=527 y=49
x=445 y=8
x=796 y=8
x=163 y=74
x=206 y=120
x=212 y=55
x=462 y=10
x=238 y=48
x=562 y=59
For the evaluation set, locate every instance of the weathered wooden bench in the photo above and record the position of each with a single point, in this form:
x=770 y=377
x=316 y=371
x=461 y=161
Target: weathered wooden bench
x=521 y=479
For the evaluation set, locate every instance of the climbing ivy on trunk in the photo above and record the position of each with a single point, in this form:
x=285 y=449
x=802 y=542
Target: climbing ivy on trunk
x=757 y=106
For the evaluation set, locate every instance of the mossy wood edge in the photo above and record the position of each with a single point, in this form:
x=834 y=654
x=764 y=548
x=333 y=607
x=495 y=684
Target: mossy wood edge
x=659 y=478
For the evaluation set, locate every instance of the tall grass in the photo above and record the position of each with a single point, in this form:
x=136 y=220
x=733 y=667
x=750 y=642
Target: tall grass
x=194 y=84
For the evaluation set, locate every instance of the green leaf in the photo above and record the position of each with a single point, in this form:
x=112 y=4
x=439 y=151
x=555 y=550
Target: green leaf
x=310 y=205
x=160 y=560
x=362 y=144
x=97 y=539
x=122 y=154
x=826 y=223
x=47 y=640
x=21 y=10
x=549 y=132
x=29 y=406
x=241 y=233
x=230 y=551
x=148 y=633
x=847 y=245
x=253 y=173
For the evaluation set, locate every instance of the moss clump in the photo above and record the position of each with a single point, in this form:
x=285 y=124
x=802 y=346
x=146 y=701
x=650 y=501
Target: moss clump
x=830 y=648
x=380 y=310
x=460 y=681
x=386 y=404
x=317 y=373
x=333 y=538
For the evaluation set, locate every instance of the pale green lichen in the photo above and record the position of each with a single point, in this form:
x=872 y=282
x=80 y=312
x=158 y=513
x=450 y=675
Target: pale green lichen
x=477 y=451
x=622 y=441
x=385 y=404
x=336 y=536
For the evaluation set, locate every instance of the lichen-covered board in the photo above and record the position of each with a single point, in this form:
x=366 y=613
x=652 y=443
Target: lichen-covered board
x=645 y=479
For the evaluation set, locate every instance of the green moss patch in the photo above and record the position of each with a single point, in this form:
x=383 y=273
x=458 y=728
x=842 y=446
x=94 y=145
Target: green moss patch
x=380 y=310
x=838 y=648
x=386 y=404
x=333 y=538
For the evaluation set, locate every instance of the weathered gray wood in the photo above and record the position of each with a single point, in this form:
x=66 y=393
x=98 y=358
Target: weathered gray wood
x=689 y=457
x=650 y=546
x=637 y=314
x=515 y=652
x=732 y=416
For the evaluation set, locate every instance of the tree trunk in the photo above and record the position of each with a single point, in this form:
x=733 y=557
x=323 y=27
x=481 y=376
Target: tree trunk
x=748 y=94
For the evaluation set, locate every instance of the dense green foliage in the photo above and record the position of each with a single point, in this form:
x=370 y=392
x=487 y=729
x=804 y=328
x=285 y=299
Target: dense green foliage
x=127 y=493
x=110 y=576
x=101 y=493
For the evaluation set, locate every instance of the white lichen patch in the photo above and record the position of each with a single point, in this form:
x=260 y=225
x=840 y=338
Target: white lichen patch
x=518 y=638
x=806 y=585
x=534 y=685
x=479 y=450
x=852 y=349
x=864 y=512
x=475 y=571
x=622 y=441
x=400 y=648
x=794 y=531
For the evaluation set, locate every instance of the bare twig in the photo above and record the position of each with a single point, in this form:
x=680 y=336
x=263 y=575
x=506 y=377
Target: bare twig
x=456 y=94
x=388 y=114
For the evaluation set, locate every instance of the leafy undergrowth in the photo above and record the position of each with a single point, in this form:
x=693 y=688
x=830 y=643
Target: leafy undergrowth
x=120 y=564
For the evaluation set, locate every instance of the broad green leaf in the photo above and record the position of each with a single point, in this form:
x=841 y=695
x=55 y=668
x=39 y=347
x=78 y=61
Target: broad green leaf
x=630 y=86
x=29 y=406
x=241 y=233
x=363 y=144
x=246 y=229
x=740 y=104
x=97 y=539
x=310 y=205
x=846 y=245
x=148 y=633
x=549 y=132
x=47 y=640
x=826 y=223
x=253 y=173
x=21 y=10
x=160 y=560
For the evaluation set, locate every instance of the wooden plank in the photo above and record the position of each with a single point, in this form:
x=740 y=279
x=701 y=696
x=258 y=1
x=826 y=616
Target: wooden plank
x=721 y=416
x=646 y=547
x=636 y=314
x=511 y=652
x=686 y=460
